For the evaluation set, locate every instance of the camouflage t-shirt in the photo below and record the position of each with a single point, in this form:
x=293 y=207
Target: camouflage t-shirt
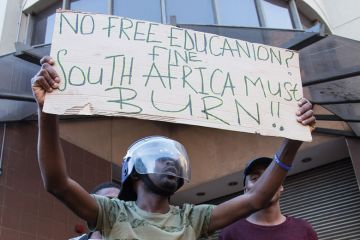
x=120 y=220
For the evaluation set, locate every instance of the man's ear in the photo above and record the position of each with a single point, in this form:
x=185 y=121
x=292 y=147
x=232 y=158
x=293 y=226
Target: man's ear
x=281 y=188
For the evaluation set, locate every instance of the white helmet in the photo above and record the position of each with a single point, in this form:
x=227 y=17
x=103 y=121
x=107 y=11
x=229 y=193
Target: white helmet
x=154 y=155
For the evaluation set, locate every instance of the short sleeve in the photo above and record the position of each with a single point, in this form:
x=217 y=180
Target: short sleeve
x=200 y=216
x=311 y=233
x=109 y=210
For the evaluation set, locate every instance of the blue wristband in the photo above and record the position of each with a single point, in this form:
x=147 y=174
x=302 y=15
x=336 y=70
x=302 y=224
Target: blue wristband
x=281 y=164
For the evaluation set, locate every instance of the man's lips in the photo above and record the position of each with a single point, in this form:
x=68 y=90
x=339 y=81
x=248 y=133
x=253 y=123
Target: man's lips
x=171 y=171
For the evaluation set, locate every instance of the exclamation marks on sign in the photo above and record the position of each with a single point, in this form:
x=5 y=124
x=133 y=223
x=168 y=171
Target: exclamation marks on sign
x=275 y=111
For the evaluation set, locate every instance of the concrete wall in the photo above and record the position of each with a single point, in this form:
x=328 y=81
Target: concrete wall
x=13 y=15
x=2 y=15
x=30 y=3
x=10 y=17
x=342 y=17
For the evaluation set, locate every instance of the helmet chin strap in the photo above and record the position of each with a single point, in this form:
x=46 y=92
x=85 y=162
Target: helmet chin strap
x=150 y=184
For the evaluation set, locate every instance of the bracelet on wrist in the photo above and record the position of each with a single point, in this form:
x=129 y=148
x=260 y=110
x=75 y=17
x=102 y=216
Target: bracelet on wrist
x=281 y=164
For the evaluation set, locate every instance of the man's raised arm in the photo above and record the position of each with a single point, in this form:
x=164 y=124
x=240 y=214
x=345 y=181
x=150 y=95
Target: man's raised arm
x=269 y=182
x=50 y=153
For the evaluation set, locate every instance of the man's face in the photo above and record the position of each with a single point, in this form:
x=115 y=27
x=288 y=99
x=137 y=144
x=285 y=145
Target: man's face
x=167 y=171
x=254 y=175
x=167 y=166
x=110 y=192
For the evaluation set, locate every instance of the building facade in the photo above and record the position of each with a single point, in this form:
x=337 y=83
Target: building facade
x=326 y=34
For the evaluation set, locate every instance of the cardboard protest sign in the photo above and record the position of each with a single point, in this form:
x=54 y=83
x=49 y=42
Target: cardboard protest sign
x=116 y=66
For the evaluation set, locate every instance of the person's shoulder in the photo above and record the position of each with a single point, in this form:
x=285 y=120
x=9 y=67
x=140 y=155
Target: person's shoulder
x=110 y=202
x=181 y=209
x=299 y=222
x=106 y=199
x=236 y=224
x=188 y=208
x=303 y=226
x=235 y=227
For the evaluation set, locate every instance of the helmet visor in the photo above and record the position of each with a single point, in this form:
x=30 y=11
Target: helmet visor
x=160 y=155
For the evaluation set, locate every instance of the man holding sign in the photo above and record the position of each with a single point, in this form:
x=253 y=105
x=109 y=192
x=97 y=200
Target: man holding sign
x=153 y=169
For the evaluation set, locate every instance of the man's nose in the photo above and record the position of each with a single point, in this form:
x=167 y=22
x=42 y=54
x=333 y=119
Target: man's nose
x=170 y=162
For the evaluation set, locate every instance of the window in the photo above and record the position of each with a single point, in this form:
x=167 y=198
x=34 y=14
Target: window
x=95 y=6
x=149 y=10
x=276 y=14
x=237 y=13
x=44 y=25
x=190 y=11
x=250 y=13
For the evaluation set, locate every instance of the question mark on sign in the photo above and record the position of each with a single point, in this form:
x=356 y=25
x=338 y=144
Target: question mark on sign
x=290 y=57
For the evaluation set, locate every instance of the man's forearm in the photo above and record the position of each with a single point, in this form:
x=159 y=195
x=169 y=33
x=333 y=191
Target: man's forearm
x=272 y=178
x=50 y=154
x=288 y=150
